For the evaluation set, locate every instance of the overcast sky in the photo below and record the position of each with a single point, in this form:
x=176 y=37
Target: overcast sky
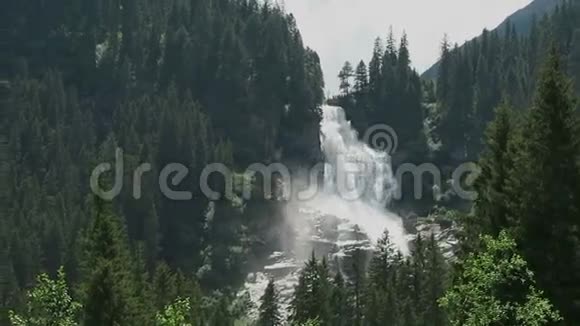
x=341 y=30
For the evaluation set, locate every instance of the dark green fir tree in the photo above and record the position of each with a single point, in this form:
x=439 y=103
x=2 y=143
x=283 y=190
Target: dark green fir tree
x=269 y=307
x=545 y=191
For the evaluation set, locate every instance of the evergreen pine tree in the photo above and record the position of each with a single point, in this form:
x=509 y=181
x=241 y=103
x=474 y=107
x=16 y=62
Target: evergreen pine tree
x=574 y=61
x=269 y=307
x=381 y=267
x=361 y=82
x=341 y=302
x=437 y=282
x=444 y=76
x=361 y=96
x=222 y=315
x=303 y=301
x=404 y=59
x=323 y=293
x=545 y=187
x=375 y=77
x=382 y=297
x=109 y=286
x=456 y=122
x=391 y=49
x=419 y=281
x=495 y=164
x=312 y=294
x=345 y=75
x=164 y=285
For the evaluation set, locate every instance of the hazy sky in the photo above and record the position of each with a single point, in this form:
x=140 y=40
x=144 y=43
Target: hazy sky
x=341 y=30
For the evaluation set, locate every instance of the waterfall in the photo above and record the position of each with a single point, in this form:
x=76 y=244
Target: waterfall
x=370 y=177
x=360 y=193
x=343 y=219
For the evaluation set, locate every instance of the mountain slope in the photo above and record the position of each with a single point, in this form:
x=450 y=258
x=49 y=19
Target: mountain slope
x=521 y=19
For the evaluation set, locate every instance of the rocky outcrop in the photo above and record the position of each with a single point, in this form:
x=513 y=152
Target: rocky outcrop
x=444 y=231
x=342 y=244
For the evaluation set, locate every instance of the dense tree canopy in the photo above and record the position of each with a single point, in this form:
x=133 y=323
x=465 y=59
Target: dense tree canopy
x=388 y=91
x=152 y=84
x=499 y=65
x=187 y=82
x=496 y=288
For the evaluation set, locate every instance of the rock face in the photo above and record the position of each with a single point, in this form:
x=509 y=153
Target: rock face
x=327 y=237
x=443 y=231
x=284 y=271
x=341 y=243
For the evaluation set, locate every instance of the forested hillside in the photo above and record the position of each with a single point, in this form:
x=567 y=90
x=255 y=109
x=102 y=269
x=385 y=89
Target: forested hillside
x=196 y=82
x=497 y=67
x=522 y=20
x=388 y=91
x=190 y=82
x=508 y=101
x=470 y=81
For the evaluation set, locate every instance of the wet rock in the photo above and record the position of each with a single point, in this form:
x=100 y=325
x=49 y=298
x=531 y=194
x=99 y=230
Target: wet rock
x=444 y=231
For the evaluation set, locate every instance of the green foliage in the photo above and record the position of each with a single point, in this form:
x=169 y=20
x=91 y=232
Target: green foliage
x=495 y=163
x=396 y=290
x=221 y=315
x=529 y=186
x=389 y=92
x=173 y=81
x=544 y=189
x=175 y=314
x=170 y=286
x=168 y=82
x=48 y=304
x=342 y=302
x=110 y=287
x=496 y=287
x=500 y=65
x=311 y=322
x=574 y=60
x=312 y=294
x=269 y=308
x=345 y=74
x=383 y=262
x=405 y=290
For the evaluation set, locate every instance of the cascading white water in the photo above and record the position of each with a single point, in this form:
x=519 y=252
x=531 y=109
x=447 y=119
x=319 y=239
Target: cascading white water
x=346 y=216
x=353 y=170
x=358 y=180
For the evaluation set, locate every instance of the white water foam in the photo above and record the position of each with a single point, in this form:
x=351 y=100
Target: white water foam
x=333 y=223
x=372 y=177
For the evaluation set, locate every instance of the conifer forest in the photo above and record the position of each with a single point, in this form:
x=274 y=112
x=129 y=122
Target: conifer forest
x=147 y=146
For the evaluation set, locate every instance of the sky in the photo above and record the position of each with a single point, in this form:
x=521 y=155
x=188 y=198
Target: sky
x=341 y=30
